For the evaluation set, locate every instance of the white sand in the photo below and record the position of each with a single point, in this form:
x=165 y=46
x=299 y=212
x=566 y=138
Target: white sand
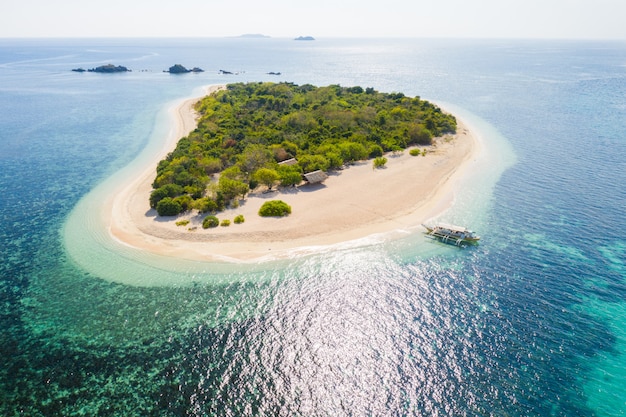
x=352 y=204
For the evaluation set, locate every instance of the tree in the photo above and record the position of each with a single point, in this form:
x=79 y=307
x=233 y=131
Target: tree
x=419 y=135
x=375 y=151
x=289 y=175
x=254 y=157
x=185 y=201
x=210 y=165
x=233 y=173
x=168 y=207
x=168 y=190
x=267 y=177
x=335 y=161
x=205 y=205
x=231 y=189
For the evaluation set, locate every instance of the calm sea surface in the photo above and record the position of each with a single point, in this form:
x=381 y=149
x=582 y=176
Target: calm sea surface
x=530 y=323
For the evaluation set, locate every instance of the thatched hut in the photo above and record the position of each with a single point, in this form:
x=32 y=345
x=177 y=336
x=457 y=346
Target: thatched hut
x=315 y=177
x=288 y=162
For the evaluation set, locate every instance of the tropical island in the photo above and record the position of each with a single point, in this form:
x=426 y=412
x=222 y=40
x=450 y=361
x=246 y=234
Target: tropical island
x=276 y=134
x=109 y=68
x=222 y=138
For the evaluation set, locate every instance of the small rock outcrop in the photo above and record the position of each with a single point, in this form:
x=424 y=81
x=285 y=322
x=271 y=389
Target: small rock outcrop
x=179 y=69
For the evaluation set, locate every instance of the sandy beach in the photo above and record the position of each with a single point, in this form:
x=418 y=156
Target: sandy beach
x=350 y=205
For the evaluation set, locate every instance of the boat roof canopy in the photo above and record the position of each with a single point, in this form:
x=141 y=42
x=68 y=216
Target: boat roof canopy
x=452 y=227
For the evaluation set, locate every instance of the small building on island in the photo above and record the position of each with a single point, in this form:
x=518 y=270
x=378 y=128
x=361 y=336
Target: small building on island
x=289 y=162
x=315 y=177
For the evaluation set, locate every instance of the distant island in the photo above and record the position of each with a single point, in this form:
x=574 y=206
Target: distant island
x=108 y=69
x=253 y=35
x=266 y=134
x=304 y=38
x=179 y=69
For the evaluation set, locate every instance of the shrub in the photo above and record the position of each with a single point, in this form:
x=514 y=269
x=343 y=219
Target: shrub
x=274 y=208
x=182 y=222
x=352 y=152
x=239 y=219
x=225 y=223
x=210 y=221
x=380 y=162
x=415 y=152
x=310 y=163
x=168 y=207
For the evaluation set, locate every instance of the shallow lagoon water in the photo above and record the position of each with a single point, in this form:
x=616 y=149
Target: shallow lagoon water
x=527 y=323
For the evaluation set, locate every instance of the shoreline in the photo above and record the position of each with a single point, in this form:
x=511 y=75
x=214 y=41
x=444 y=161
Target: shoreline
x=387 y=203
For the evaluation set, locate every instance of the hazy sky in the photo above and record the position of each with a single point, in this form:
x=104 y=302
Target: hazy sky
x=572 y=19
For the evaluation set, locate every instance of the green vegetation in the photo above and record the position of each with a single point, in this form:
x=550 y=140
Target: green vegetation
x=239 y=219
x=225 y=223
x=245 y=131
x=210 y=221
x=415 y=152
x=167 y=190
x=184 y=222
x=169 y=207
x=266 y=176
x=274 y=208
x=380 y=162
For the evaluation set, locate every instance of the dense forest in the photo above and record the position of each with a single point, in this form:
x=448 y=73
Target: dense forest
x=245 y=131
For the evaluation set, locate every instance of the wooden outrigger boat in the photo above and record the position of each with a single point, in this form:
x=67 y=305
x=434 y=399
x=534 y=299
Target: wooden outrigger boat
x=454 y=235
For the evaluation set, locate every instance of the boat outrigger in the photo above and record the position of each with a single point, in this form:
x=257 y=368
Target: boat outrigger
x=454 y=235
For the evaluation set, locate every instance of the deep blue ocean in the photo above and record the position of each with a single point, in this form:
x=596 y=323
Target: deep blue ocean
x=532 y=322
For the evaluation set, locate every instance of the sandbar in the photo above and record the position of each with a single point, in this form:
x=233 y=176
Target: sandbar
x=351 y=205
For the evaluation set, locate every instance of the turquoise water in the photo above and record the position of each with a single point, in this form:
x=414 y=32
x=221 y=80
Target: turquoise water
x=531 y=322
